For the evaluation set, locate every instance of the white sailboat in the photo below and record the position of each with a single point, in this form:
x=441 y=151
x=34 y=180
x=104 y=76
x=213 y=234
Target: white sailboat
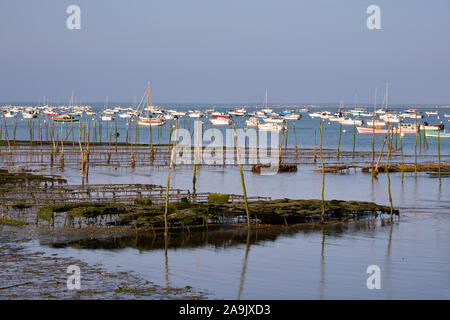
x=150 y=121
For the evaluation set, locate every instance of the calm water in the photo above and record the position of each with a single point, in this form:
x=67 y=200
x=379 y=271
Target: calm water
x=413 y=253
x=305 y=263
x=304 y=130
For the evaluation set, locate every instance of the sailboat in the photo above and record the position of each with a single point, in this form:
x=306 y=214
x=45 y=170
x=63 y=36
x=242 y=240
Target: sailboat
x=107 y=113
x=65 y=118
x=150 y=121
x=265 y=108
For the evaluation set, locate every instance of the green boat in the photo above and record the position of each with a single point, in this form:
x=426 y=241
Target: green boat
x=435 y=133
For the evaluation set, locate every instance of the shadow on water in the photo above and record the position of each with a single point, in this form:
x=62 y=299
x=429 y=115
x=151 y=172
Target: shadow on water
x=218 y=237
x=322 y=265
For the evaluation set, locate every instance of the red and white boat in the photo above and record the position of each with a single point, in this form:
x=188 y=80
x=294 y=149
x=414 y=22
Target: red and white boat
x=220 y=115
x=274 y=120
x=292 y=116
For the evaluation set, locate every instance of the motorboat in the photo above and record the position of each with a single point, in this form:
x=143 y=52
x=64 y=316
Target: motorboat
x=65 y=118
x=252 y=122
x=195 y=114
x=220 y=115
x=274 y=120
x=376 y=123
x=107 y=117
x=292 y=116
x=350 y=122
x=270 y=127
x=402 y=128
x=219 y=121
x=238 y=112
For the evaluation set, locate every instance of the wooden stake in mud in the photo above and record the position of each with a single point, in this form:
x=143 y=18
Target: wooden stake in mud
x=40 y=138
x=14 y=132
x=315 y=156
x=354 y=126
x=285 y=141
x=295 y=139
x=415 y=149
x=439 y=151
x=6 y=134
x=115 y=134
x=425 y=142
x=82 y=155
x=244 y=191
x=30 y=124
x=109 y=147
x=62 y=149
x=100 y=129
x=73 y=138
x=390 y=133
x=166 y=209
x=354 y=138
x=170 y=135
x=401 y=151
x=339 y=141
x=131 y=145
x=373 y=131
x=196 y=153
x=322 y=216
x=375 y=170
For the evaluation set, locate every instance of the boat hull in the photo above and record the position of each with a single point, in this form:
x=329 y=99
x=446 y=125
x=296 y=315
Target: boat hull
x=395 y=130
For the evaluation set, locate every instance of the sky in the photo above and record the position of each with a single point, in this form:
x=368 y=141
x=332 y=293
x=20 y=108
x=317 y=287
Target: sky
x=226 y=51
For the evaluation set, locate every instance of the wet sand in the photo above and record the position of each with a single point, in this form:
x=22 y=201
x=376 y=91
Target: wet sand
x=30 y=274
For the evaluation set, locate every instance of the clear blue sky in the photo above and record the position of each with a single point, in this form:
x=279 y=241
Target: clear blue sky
x=225 y=50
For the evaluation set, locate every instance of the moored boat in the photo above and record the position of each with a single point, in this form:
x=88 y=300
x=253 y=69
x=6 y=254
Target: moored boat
x=270 y=127
x=292 y=116
x=252 y=122
x=403 y=128
x=151 y=122
x=436 y=134
x=219 y=121
x=274 y=120
x=65 y=118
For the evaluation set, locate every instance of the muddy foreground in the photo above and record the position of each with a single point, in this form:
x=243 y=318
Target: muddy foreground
x=28 y=274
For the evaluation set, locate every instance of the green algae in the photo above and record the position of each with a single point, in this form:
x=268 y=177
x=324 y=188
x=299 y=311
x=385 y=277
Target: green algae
x=12 y=223
x=24 y=177
x=185 y=214
x=218 y=198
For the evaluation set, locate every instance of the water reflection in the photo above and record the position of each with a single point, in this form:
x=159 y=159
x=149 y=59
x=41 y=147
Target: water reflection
x=322 y=265
x=166 y=262
x=244 y=265
x=219 y=237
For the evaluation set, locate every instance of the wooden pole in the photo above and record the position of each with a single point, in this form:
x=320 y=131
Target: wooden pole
x=387 y=170
x=322 y=216
x=238 y=157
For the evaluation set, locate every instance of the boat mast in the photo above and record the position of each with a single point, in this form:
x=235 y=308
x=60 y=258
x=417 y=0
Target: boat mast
x=387 y=91
x=265 y=100
x=148 y=96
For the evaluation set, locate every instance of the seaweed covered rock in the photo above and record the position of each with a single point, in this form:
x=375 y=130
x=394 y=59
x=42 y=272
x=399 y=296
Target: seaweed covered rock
x=184 y=213
x=257 y=168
